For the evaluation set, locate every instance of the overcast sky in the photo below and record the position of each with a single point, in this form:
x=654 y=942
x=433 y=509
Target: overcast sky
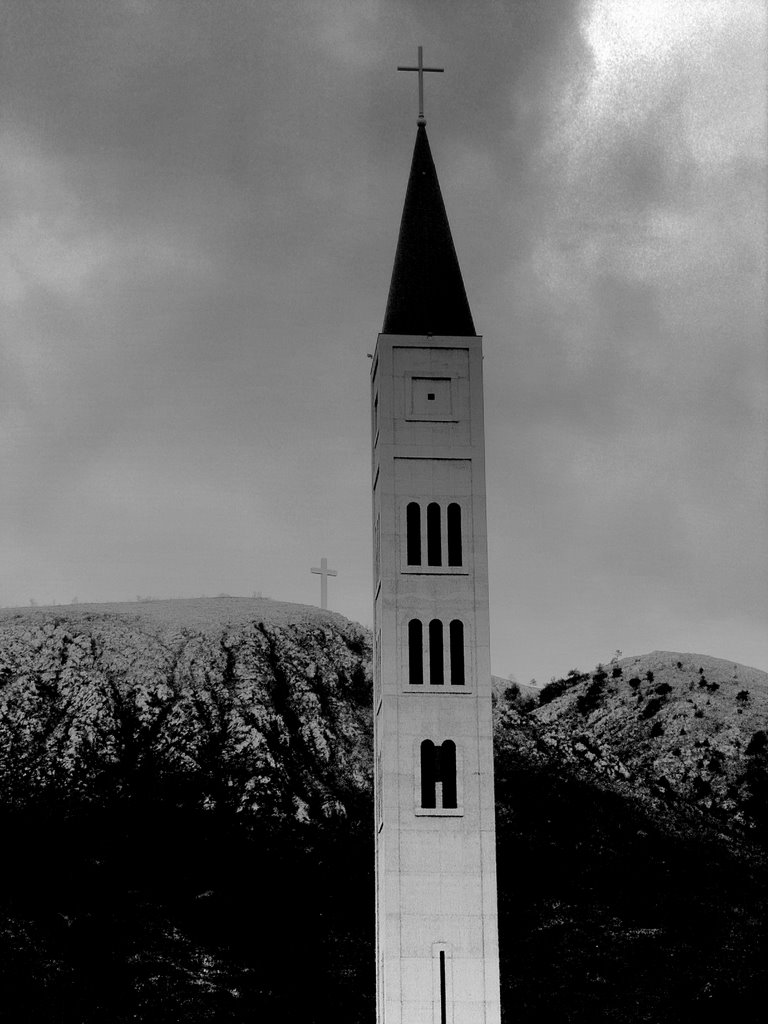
x=199 y=205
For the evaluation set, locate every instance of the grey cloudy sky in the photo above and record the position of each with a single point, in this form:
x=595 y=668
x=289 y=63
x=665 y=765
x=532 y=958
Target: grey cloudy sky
x=199 y=204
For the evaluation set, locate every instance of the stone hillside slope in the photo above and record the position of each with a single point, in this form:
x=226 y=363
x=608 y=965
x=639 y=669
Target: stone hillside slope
x=681 y=730
x=186 y=808
x=265 y=704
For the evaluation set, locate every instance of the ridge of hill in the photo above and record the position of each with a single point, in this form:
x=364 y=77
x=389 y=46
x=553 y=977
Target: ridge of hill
x=182 y=612
x=500 y=686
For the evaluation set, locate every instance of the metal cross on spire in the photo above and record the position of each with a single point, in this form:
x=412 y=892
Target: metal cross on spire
x=421 y=69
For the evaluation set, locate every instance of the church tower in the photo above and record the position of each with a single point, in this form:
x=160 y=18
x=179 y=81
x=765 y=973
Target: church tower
x=436 y=908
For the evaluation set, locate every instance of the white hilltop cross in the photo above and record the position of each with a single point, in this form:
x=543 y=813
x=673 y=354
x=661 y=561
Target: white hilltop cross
x=324 y=572
x=421 y=69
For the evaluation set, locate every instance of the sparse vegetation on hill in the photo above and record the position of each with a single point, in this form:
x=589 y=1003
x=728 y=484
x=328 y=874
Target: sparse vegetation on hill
x=187 y=790
x=678 y=737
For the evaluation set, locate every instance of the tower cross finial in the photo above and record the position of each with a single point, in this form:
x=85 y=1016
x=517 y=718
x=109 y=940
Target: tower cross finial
x=420 y=69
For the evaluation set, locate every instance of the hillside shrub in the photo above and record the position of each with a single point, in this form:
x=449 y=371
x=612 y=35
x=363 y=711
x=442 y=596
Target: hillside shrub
x=616 y=672
x=521 y=702
x=715 y=763
x=590 y=699
x=663 y=688
x=701 y=788
x=634 y=682
x=557 y=687
x=657 y=729
x=758 y=743
x=552 y=690
x=649 y=676
x=652 y=707
x=742 y=696
x=576 y=675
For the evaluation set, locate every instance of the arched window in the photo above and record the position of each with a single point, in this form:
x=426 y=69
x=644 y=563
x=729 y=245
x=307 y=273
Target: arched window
x=415 y=653
x=438 y=775
x=456 y=641
x=436 y=677
x=454 y=534
x=434 y=544
x=413 y=533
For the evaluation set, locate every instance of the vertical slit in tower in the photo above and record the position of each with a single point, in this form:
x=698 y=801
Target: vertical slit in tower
x=443 y=1013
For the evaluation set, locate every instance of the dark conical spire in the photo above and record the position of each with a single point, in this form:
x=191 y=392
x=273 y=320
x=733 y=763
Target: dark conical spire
x=426 y=295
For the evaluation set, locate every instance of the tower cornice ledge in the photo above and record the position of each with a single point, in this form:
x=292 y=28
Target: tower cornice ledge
x=433 y=340
x=427 y=450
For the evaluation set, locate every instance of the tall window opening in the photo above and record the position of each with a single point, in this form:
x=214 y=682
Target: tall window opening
x=415 y=653
x=438 y=775
x=428 y=766
x=434 y=543
x=446 y=766
x=454 y=534
x=436 y=677
x=413 y=533
x=456 y=633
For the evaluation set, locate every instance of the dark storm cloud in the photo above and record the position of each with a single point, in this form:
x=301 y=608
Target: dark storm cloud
x=202 y=202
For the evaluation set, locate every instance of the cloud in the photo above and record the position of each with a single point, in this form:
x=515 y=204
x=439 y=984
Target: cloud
x=202 y=203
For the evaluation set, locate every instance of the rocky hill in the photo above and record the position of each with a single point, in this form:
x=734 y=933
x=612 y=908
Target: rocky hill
x=681 y=731
x=265 y=705
x=186 y=787
x=185 y=800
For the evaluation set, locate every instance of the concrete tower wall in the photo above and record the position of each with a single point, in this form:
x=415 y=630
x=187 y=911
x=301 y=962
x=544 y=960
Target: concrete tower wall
x=437 y=946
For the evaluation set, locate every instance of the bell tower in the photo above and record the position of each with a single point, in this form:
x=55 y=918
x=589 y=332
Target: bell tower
x=436 y=907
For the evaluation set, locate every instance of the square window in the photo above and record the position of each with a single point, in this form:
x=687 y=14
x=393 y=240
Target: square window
x=430 y=398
